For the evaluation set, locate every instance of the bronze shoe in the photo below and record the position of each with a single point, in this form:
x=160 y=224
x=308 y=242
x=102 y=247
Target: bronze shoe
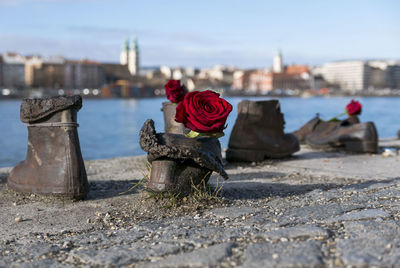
x=316 y=125
x=357 y=138
x=178 y=162
x=170 y=125
x=53 y=163
x=306 y=129
x=258 y=133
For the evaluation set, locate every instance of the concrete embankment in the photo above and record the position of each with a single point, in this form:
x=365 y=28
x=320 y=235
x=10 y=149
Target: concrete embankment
x=313 y=209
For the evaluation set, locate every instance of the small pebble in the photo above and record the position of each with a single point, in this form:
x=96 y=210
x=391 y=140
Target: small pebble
x=18 y=219
x=67 y=244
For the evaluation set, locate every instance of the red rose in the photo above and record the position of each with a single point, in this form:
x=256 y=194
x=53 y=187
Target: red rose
x=175 y=92
x=203 y=112
x=353 y=108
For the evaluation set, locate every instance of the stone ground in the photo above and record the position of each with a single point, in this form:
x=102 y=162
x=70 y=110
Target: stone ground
x=313 y=209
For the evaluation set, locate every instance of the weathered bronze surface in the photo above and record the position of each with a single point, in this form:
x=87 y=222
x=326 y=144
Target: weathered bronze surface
x=258 y=133
x=53 y=163
x=316 y=126
x=178 y=161
x=356 y=138
x=170 y=125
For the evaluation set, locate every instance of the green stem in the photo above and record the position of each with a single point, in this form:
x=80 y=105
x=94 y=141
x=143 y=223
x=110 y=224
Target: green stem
x=333 y=119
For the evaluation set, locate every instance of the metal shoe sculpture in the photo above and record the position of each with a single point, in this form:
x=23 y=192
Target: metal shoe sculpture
x=170 y=125
x=53 y=163
x=178 y=161
x=317 y=125
x=258 y=133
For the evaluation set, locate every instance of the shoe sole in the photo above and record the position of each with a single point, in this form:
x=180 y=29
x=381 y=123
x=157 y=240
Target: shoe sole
x=29 y=189
x=350 y=146
x=243 y=155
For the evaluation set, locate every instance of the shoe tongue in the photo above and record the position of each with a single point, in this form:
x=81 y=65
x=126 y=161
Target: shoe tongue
x=33 y=110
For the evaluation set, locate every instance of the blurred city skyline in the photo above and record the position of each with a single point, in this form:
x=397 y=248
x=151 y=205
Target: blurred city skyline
x=245 y=34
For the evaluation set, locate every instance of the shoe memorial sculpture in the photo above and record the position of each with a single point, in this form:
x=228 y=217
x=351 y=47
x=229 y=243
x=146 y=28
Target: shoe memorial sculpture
x=53 y=163
x=180 y=161
x=348 y=135
x=356 y=138
x=258 y=133
x=317 y=125
x=175 y=93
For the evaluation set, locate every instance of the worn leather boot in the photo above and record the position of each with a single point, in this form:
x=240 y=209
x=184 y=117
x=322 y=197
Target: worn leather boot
x=357 y=138
x=258 y=133
x=53 y=163
x=316 y=125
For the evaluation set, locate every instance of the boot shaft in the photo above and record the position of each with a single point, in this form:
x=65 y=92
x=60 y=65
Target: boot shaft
x=54 y=147
x=170 y=125
x=258 y=133
x=256 y=121
x=54 y=163
x=265 y=114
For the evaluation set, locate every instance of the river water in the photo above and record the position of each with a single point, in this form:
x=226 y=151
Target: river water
x=109 y=128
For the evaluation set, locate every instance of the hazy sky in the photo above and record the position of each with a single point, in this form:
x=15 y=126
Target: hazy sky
x=204 y=32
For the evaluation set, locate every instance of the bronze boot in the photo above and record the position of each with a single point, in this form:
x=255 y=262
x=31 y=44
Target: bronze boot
x=178 y=162
x=170 y=125
x=258 y=133
x=357 y=138
x=316 y=125
x=53 y=163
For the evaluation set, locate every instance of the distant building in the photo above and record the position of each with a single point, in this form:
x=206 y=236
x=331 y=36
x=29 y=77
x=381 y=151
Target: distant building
x=394 y=74
x=84 y=74
x=239 y=79
x=114 y=72
x=358 y=75
x=300 y=81
x=124 y=56
x=222 y=75
x=129 y=56
x=277 y=66
x=46 y=72
x=13 y=70
x=133 y=63
x=260 y=81
x=178 y=73
x=384 y=74
x=166 y=72
x=265 y=80
x=347 y=75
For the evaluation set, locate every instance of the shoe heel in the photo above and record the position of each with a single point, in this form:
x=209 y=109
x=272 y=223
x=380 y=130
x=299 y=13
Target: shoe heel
x=361 y=147
x=240 y=155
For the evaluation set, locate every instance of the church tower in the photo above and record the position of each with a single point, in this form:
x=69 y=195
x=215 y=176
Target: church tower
x=133 y=60
x=123 y=57
x=278 y=63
